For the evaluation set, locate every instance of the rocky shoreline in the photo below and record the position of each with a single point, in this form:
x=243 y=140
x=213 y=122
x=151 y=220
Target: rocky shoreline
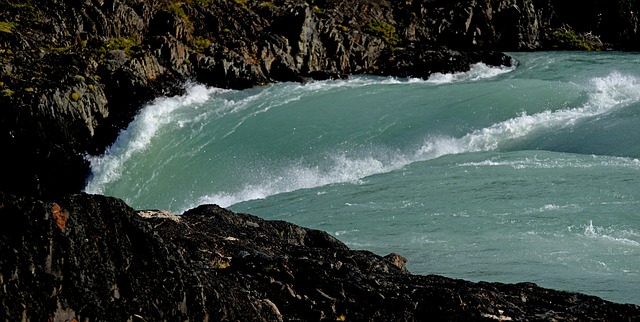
x=93 y=258
x=74 y=73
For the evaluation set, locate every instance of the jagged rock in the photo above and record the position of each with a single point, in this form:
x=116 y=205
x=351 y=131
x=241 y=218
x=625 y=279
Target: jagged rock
x=518 y=24
x=94 y=258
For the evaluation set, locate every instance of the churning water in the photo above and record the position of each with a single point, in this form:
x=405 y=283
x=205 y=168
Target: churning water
x=497 y=174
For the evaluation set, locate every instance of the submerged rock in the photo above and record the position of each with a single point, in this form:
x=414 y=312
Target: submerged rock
x=93 y=258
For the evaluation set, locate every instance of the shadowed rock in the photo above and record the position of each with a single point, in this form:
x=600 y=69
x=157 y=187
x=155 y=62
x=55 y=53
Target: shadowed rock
x=106 y=261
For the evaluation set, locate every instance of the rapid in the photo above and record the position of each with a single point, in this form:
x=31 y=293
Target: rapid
x=529 y=173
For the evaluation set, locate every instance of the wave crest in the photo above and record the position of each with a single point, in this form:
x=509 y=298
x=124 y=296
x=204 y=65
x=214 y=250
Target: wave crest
x=605 y=95
x=138 y=135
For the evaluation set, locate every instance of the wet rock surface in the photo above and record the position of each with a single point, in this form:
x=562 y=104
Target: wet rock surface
x=93 y=258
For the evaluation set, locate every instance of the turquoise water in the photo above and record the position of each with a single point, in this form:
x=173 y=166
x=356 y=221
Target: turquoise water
x=499 y=174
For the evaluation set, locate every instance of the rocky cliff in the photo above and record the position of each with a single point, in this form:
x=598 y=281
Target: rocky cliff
x=92 y=258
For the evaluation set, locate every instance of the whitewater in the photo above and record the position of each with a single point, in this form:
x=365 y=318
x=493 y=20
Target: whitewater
x=509 y=174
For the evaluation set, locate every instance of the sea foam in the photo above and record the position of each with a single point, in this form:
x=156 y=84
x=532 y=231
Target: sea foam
x=557 y=162
x=297 y=176
x=610 y=235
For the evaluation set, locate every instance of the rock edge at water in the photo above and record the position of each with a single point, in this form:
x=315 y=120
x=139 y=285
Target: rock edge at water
x=93 y=258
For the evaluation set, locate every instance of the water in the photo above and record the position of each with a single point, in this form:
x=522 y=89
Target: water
x=499 y=174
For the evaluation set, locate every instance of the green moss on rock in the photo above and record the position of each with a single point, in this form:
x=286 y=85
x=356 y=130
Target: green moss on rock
x=59 y=49
x=566 y=38
x=120 y=43
x=383 y=30
x=200 y=44
x=177 y=10
x=7 y=26
x=7 y=92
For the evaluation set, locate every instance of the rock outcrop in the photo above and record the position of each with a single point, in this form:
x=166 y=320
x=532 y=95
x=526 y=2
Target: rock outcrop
x=92 y=258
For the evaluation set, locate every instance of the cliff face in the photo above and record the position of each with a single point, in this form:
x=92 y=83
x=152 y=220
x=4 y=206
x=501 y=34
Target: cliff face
x=93 y=258
x=80 y=70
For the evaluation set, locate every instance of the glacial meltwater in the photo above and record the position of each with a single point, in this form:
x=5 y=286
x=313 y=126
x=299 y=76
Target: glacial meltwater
x=503 y=174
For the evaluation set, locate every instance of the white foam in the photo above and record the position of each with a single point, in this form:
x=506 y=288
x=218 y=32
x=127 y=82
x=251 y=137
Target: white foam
x=558 y=162
x=550 y=207
x=606 y=94
x=477 y=71
x=139 y=134
x=573 y=208
x=296 y=177
x=344 y=232
x=600 y=233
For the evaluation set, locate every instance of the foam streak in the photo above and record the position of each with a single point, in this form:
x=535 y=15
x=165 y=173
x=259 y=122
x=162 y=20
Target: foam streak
x=608 y=93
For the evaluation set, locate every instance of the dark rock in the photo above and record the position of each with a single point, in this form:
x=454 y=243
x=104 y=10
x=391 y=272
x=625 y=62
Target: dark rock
x=94 y=258
x=422 y=63
x=325 y=75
